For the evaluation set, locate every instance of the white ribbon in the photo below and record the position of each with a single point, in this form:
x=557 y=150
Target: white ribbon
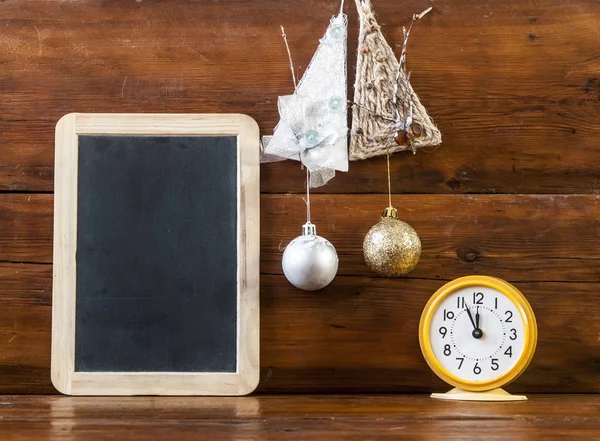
x=313 y=124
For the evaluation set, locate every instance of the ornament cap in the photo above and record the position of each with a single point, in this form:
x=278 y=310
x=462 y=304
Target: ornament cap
x=390 y=212
x=309 y=229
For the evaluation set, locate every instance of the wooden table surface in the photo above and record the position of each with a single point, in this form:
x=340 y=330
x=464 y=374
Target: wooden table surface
x=297 y=417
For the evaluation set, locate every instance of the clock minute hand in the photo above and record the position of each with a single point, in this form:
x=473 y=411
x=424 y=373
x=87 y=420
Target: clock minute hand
x=477 y=318
x=477 y=333
x=471 y=317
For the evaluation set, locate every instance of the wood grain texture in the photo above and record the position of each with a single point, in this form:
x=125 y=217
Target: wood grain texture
x=550 y=417
x=358 y=335
x=521 y=237
x=518 y=237
x=512 y=85
x=25 y=311
x=26 y=228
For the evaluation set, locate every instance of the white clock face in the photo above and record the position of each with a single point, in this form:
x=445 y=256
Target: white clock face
x=477 y=334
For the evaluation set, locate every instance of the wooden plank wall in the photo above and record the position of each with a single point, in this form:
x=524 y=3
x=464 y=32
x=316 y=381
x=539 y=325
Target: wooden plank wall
x=514 y=86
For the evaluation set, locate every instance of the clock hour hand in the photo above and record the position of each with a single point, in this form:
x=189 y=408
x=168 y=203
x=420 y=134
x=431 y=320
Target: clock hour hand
x=477 y=318
x=477 y=333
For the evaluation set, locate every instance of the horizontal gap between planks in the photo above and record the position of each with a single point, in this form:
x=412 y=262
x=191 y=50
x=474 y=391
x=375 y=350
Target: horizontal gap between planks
x=441 y=279
x=25 y=262
x=448 y=194
x=30 y=192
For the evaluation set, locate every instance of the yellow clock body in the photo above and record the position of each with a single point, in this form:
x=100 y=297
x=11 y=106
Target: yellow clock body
x=478 y=333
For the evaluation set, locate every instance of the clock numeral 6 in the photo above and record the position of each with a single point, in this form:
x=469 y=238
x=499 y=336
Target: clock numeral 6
x=476 y=369
x=448 y=315
x=495 y=365
x=443 y=331
x=447 y=350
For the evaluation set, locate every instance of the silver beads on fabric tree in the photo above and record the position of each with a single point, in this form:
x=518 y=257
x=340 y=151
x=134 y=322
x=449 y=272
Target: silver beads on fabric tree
x=310 y=262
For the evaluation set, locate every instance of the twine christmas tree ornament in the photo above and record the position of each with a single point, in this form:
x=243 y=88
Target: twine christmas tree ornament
x=387 y=115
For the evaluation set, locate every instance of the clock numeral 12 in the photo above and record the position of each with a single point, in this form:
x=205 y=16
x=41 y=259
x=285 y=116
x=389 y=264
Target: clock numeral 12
x=477 y=298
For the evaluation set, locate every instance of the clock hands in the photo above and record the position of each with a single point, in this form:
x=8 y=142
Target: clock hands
x=471 y=317
x=477 y=333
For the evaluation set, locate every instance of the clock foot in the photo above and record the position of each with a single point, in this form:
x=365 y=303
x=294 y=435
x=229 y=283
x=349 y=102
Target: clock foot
x=489 y=395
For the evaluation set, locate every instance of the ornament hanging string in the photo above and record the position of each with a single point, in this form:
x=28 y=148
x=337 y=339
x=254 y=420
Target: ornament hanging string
x=287 y=47
x=389 y=181
x=401 y=67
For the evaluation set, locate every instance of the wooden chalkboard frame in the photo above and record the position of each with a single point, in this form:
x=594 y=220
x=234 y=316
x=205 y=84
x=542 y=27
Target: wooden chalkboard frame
x=64 y=376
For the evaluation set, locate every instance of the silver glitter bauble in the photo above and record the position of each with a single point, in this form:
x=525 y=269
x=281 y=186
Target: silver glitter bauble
x=391 y=247
x=310 y=262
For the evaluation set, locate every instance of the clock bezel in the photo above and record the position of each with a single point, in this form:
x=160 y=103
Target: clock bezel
x=522 y=306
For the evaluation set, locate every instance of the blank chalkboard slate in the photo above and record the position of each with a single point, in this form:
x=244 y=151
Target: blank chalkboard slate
x=156 y=255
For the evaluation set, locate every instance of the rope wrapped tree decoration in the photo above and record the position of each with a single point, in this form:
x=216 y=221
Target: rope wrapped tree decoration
x=387 y=117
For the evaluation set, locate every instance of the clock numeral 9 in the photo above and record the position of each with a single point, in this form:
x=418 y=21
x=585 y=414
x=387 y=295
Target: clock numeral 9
x=448 y=315
x=443 y=331
x=476 y=369
x=513 y=334
x=477 y=298
x=447 y=350
x=495 y=365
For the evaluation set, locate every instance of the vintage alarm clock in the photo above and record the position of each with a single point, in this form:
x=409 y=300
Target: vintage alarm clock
x=478 y=333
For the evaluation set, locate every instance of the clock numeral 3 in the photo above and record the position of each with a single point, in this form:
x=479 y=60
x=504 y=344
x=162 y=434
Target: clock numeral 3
x=513 y=334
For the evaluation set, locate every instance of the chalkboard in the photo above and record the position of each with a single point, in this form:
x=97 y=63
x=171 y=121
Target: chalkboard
x=156 y=255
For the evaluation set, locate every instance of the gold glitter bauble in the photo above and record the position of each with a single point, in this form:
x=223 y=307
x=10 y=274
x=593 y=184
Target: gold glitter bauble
x=392 y=247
